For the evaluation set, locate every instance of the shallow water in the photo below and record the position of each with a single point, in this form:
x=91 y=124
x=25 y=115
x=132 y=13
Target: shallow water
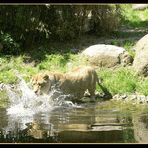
x=53 y=119
x=84 y=124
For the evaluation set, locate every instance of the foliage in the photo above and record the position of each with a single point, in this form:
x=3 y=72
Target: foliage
x=30 y=25
x=127 y=44
x=62 y=63
x=143 y=86
x=105 y=18
x=134 y=18
x=25 y=26
x=119 y=81
x=8 y=67
x=9 y=45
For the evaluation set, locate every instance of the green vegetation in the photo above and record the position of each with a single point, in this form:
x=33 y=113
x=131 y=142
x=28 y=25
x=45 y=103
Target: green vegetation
x=8 y=67
x=136 y=19
x=43 y=37
x=120 y=80
x=127 y=44
x=123 y=81
x=24 y=26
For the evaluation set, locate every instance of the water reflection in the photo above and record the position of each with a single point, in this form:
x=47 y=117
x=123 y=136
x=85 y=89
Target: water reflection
x=141 y=128
x=53 y=119
x=68 y=125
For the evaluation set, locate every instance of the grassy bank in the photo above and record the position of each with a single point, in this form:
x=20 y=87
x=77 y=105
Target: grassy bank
x=134 y=19
x=120 y=80
x=58 y=56
x=123 y=81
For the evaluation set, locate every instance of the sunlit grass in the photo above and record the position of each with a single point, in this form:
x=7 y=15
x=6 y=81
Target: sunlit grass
x=119 y=81
x=61 y=63
x=135 y=18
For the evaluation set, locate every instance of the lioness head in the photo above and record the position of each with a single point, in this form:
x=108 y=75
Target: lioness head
x=41 y=84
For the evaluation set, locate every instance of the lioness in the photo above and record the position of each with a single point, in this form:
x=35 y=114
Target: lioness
x=42 y=82
x=75 y=82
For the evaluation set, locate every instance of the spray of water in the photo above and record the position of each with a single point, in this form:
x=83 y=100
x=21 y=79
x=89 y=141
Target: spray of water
x=25 y=102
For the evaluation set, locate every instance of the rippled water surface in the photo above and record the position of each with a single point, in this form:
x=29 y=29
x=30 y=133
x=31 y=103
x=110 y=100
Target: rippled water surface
x=85 y=124
x=53 y=119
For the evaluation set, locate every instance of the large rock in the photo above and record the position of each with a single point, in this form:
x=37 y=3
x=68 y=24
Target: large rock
x=107 y=55
x=140 y=63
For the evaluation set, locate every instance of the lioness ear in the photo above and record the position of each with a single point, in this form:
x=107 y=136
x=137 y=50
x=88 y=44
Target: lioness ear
x=46 y=77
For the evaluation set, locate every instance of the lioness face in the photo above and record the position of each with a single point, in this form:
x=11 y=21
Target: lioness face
x=41 y=84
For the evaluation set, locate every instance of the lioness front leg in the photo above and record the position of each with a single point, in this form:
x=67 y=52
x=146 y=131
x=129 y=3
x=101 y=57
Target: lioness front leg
x=92 y=93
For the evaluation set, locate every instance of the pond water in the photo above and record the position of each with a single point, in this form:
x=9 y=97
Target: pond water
x=52 y=119
x=84 y=124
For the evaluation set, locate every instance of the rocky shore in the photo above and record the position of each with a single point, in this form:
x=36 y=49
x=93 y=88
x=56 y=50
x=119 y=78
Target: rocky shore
x=135 y=98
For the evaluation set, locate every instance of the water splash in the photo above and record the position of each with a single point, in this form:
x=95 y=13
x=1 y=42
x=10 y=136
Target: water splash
x=24 y=102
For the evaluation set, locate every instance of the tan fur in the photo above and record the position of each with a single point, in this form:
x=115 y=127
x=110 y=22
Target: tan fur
x=75 y=82
x=79 y=80
x=42 y=82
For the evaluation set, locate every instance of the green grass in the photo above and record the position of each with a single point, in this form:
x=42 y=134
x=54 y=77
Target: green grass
x=123 y=81
x=142 y=86
x=133 y=26
x=135 y=18
x=58 y=57
x=120 y=80
x=52 y=62
x=61 y=63
x=126 y=44
x=9 y=66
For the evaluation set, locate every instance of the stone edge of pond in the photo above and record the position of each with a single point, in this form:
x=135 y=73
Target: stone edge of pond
x=134 y=98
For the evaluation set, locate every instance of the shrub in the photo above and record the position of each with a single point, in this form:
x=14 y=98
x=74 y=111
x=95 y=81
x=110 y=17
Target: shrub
x=9 y=45
x=31 y=25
